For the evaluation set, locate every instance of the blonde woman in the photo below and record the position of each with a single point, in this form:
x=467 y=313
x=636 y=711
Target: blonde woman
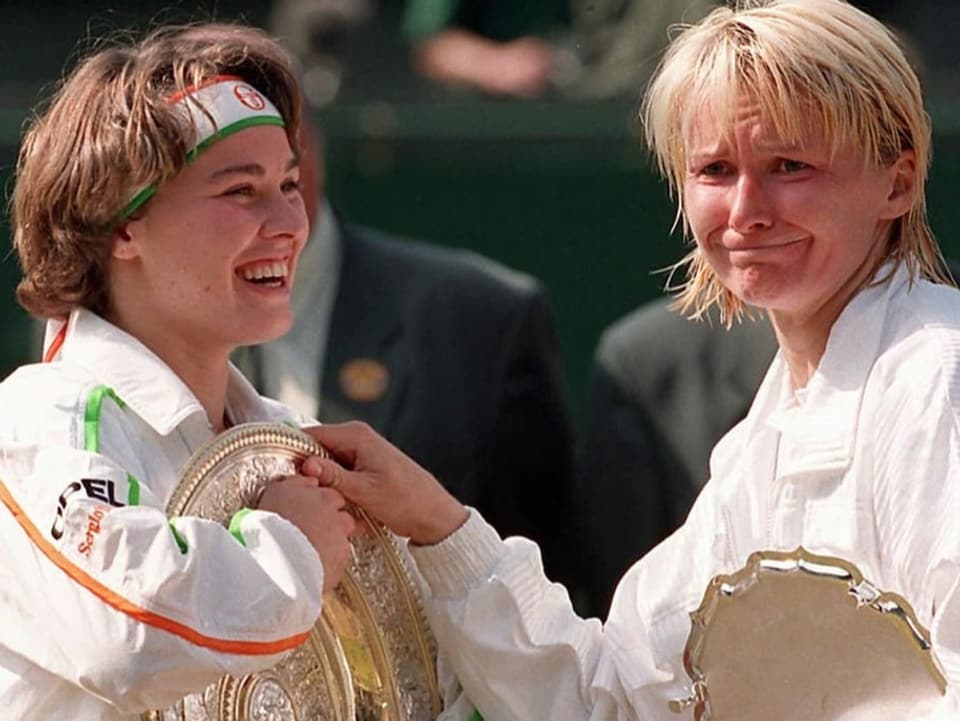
x=794 y=137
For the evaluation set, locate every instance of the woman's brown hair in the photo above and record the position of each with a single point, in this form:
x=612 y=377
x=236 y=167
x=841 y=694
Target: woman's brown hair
x=109 y=130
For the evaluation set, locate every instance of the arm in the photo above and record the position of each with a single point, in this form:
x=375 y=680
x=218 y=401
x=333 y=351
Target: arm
x=512 y=637
x=518 y=67
x=133 y=608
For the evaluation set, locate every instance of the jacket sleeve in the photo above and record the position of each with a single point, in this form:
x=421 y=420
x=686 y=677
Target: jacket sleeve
x=522 y=653
x=511 y=635
x=138 y=610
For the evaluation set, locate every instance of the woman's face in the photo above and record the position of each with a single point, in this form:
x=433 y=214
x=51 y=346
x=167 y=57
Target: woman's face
x=215 y=250
x=789 y=229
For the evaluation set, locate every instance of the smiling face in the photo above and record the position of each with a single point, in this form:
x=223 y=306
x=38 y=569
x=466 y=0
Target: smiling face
x=209 y=261
x=794 y=229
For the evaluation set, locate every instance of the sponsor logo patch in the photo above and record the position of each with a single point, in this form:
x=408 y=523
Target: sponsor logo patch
x=97 y=488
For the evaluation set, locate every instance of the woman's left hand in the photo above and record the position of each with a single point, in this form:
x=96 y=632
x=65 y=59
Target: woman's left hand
x=391 y=487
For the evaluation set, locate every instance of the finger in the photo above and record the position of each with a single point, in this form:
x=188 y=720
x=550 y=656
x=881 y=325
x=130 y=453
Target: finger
x=342 y=440
x=297 y=480
x=312 y=466
x=332 y=475
x=309 y=467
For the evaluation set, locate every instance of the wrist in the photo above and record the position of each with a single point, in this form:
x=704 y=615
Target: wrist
x=441 y=526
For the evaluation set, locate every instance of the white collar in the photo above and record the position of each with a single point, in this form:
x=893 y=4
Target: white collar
x=139 y=377
x=822 y=428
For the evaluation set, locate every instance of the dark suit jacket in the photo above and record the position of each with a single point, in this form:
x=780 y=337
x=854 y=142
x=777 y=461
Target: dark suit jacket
x=662 y=391
x=474 y=390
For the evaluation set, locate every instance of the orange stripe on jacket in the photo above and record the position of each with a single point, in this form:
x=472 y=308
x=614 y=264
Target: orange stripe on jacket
x=56 y=344
x=249 y=648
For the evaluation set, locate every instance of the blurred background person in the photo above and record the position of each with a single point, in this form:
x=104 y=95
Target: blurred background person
x=663 y=389
x=586 y=49
x=451 y=355
x=500 y=47
x=618 y=43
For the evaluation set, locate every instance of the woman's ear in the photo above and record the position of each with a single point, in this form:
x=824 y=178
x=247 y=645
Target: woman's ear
x=124 y=240
x=903 y=185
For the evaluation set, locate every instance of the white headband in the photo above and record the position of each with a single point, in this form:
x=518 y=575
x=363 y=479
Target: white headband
x=212 y=111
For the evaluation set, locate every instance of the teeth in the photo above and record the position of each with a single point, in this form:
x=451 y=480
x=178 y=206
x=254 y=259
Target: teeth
x=270 y=269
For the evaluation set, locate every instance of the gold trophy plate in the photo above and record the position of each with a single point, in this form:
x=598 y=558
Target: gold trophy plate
x=369 y=657
x=797 y=637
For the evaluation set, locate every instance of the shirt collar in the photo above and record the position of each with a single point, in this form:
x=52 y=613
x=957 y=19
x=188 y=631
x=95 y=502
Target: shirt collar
x=140 y=378
x=819 y=426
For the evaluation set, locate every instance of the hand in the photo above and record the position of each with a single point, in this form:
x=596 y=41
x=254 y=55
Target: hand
x=388 y=485
x=520 y=67
x=321 y=515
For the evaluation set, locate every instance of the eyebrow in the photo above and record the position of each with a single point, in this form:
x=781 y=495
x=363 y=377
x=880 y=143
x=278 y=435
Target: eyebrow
x=767 y=145
x=249 y=169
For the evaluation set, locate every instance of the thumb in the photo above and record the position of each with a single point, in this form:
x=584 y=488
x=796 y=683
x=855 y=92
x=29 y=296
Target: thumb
x=342 y=440
x=331 y=474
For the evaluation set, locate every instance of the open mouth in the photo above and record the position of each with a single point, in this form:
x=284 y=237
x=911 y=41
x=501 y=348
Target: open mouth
x=269 y=274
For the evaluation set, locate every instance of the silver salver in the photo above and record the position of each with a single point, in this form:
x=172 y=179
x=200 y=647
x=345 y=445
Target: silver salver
x=369 y=657
x=794 y=636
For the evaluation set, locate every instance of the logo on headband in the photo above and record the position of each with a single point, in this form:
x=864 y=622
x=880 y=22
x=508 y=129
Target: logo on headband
x=249 y=97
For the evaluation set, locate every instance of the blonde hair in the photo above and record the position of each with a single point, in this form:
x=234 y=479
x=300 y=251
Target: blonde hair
x=816 y=68
x=110 y=129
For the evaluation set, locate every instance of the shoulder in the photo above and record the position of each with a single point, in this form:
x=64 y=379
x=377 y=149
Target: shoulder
x=441 y=267
x=928 y=304
x=923 y=325
x=46 y=403
x=920 y=348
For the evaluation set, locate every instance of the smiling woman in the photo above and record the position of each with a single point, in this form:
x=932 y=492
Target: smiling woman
x=158 y=222
x=181 y=294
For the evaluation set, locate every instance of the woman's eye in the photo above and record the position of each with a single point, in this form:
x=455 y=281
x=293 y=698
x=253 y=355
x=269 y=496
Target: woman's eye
x=716 y=168
x=241 y=190
x=291 y=186
x=786 y=165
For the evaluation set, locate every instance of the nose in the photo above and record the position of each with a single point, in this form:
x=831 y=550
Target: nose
x=751 y=208
x=285 y=216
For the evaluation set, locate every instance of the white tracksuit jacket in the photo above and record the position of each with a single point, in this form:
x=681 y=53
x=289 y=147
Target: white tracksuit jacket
x=107 y=608
x=864 y=465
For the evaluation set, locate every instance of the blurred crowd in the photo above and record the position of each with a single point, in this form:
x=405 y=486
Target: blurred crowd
x=525 y=49
x=569 y=49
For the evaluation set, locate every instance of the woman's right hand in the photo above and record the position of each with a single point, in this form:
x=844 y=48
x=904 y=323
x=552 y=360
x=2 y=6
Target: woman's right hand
x=322 y=516
x=377 y=476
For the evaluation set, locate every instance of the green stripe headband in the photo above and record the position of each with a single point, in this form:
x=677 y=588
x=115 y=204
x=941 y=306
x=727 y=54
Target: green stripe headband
x=214 y=110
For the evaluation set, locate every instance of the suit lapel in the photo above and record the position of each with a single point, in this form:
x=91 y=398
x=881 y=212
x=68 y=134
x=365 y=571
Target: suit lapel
x=368 y=359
